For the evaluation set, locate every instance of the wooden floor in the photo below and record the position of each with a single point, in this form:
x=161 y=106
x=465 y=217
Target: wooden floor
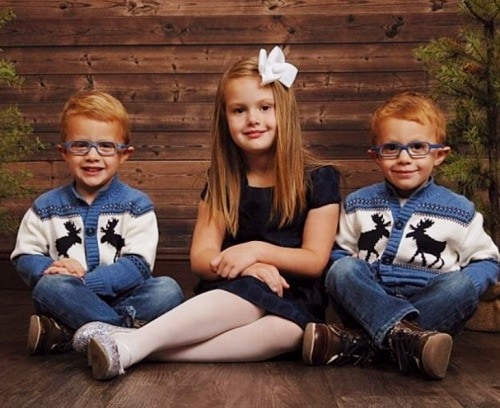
x=63 y=380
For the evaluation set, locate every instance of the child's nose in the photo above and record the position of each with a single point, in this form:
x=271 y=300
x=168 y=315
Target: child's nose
x=253 y=116
x=93 y=151
x=404 y=154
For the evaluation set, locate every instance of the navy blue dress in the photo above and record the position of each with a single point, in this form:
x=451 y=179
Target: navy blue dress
x=305 y=300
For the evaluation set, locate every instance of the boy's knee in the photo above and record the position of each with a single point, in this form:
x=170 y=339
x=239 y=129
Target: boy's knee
x=52 y=284
x=167 y=287
x=157 y=296
x=456 y=285
x=341 y=270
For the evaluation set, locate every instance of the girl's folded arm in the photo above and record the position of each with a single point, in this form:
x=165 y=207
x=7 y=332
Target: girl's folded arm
x=318 y=238
x=206 y=243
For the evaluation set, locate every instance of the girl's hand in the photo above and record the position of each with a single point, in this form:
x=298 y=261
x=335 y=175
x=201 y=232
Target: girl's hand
x=231 y=262
x=268 y=274
x=66 y=266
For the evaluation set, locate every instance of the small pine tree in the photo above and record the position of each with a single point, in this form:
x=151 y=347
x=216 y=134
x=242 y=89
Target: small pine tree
x=15 y=140
x=466 y=69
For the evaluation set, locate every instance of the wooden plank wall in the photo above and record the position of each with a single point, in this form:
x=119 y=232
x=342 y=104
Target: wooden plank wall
x=163 y=60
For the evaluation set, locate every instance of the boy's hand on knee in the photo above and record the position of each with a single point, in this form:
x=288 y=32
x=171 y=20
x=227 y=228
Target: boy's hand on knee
x=66 y=266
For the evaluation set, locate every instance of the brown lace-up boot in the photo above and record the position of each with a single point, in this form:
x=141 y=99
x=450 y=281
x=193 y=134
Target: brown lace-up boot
x=414 y=347
x=46 y=335
x=330 y=344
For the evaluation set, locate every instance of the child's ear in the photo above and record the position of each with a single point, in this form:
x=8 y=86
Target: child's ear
x=126 y=153
x=62 y=151
x=372 y=154
x=442 y=153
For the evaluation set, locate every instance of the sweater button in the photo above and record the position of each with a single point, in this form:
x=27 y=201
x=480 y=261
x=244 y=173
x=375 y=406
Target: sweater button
x=399 y=225
x=90 y=231
x=387 y=260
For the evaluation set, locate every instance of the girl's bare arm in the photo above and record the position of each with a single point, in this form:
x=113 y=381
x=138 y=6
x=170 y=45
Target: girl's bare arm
x=309 y=260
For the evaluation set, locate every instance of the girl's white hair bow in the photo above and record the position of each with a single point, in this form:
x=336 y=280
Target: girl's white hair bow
x=274 y=68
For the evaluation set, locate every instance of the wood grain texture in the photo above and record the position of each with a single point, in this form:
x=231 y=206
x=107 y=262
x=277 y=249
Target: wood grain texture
x=63 y=380
x=386 y=56
x=321 y=28
x=118 y=8
x=163 y=60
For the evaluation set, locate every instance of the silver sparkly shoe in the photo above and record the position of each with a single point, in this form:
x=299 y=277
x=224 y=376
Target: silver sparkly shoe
x=103 y=356
x=83 y=334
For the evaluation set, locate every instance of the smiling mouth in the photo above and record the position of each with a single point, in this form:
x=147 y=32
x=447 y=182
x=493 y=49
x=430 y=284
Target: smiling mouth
x=405 y=175
x=406 y=171
x=92 y=169
x=254 y=135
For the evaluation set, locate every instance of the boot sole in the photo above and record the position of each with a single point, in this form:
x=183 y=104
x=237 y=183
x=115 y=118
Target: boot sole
x=35 y=332
x=436 y=355
x=308 y=344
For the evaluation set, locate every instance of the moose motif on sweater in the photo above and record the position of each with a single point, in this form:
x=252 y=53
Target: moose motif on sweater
x=112 y=238
x=426 y=244
x=64 y=243
x=368 y=239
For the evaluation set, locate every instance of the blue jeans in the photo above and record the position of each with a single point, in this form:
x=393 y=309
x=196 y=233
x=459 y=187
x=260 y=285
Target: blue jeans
x=444 y=305
x=70 y=302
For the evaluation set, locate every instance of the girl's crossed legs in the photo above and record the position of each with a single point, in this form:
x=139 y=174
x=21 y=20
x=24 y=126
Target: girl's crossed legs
x=215 y=326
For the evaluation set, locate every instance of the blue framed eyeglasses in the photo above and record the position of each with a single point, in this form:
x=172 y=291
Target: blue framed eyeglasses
x=82 y=147
x=414 y=149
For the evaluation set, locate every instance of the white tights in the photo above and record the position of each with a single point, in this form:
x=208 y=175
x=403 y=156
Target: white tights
x=215 y=326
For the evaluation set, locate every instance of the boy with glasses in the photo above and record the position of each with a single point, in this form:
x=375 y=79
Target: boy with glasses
x=411 y=257
x=88 y=248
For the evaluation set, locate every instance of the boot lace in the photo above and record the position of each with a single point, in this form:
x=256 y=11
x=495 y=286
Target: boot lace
x=402 y=345
x=354 y=347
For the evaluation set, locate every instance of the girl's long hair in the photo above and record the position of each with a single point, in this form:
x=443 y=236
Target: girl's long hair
x=228 y=166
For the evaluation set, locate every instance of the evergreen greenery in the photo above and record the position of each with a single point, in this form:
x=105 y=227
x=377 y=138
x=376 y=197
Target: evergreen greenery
x=15 y=138
x=466 y=69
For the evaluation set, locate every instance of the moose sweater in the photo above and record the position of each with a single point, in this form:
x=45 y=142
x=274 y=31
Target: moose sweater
x=114 y=238
x=435 y=231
